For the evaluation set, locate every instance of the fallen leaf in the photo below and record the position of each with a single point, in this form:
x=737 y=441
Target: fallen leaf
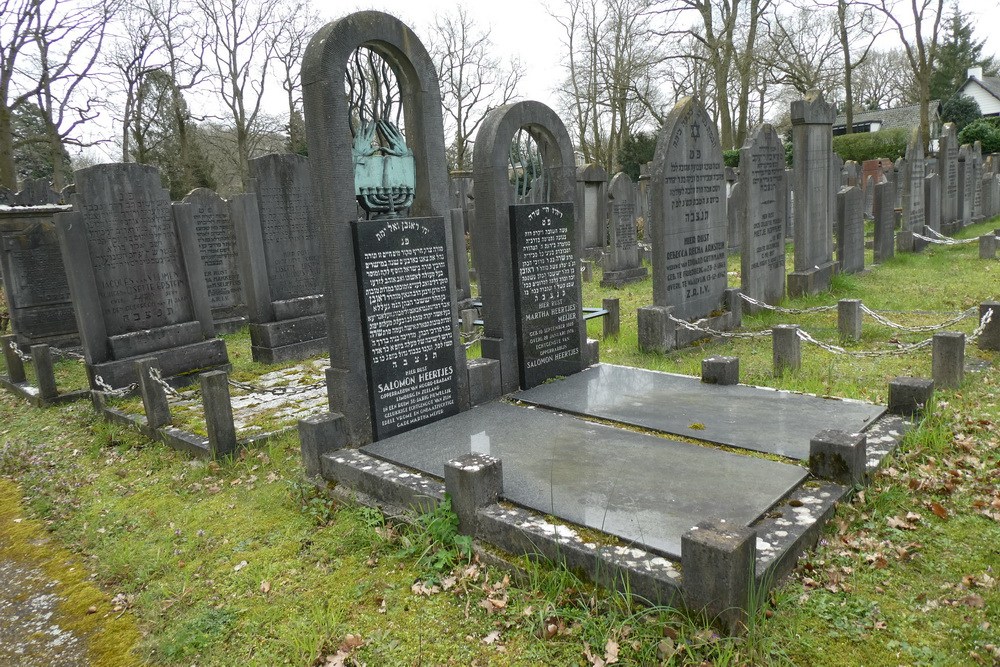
x=974 y=601
x=611 y=652
x=265 y=587
x=939 y=510
x=492 y=637
x=241 y=565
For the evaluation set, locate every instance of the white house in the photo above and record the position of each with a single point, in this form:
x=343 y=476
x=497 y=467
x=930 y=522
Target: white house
x=985 y=90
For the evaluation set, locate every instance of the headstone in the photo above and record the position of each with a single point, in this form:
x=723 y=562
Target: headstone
x=532 y=311
x=986 y=195
x=852 y=170
x=7 y=197
x=885 y=221
x=279 y=255
x=689 y=214
x=217 y=243
x=390 y=160
x=735 y=212
x=898 y=169
x=850 y=230
x=762 y=257
x=932 y=196
x=966 y=185
x=815 y=204
x=789 y=203
x=592 y=194
x=913 y=193
x=977 y=182
x=34 y=278
x=135 y=276
x=622 y=264
x=36 y=192
x=947 y=167
x=642 y=204
x=408 y=332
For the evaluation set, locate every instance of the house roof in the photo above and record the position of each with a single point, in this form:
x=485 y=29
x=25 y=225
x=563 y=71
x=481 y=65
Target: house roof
x=989 y=83
x=906 y=117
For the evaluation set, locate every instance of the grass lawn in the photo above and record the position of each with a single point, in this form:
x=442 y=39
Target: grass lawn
x=242 y=563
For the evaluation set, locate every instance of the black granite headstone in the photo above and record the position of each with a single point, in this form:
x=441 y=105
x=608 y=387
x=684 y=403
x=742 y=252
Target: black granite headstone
x=546 y=284
x=403 y=286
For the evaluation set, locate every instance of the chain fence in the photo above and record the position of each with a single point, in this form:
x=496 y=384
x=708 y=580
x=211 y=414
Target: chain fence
x=787 y=311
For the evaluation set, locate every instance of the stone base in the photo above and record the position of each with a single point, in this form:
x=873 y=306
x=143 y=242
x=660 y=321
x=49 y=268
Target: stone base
x=228 y=325
x=907 y=242
x=198 y=357
x=658 y=333
x=595 y=255
x=811 y=281
x=288 y=340
x=617 y=279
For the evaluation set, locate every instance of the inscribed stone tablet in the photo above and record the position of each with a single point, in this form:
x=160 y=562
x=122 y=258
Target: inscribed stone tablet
x=689 y=214
x=762 y=178
x=406 y=316
x=623 y=252
x=284 y=200
x=217 y=245
x=134 y=247
x=546 y=283
x=948 y=169
x=913 y=185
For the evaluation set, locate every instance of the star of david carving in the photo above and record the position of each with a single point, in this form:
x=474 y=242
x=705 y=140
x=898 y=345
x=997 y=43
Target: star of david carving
x=695 y=130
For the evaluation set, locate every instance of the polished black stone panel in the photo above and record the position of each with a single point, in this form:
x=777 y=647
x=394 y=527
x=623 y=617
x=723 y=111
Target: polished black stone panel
x=642 y=488
x=757 y=418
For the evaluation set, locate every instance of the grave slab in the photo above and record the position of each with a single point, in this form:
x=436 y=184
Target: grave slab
x=756 y=418
x=641 y=488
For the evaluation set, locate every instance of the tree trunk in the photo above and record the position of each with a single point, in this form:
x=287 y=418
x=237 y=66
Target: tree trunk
x=8 y=172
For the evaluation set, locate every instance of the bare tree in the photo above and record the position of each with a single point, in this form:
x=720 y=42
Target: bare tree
x=613 y=56
x=473 y=79
x=297 y=25
x=802 y=50
x=242 y=42
x=135 y=56
x=884 y=80
x=727 y=29
x=48 y=49
x=920 y=40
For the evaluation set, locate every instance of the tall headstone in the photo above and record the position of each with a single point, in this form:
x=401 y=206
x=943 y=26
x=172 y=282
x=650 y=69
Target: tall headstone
x=592 y=195
x=977 y=182
x=217 y=243
x=136 y=277
x=36 y=192
x=932 y=203
x=762 y=177
x=913 y=193
x=884 y=243
x=532 y=309
x=735 y=212
x=815 y=203
x=360 y=156
x=622 y=264
x=789 y=203
x=689 y=214
x=279 y=255
x=966 y=185
x=850 y=230
x=34 y=278
x=947 y=167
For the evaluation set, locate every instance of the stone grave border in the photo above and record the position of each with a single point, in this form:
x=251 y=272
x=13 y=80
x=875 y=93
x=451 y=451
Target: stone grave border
x=773 y=543
x=47 y=392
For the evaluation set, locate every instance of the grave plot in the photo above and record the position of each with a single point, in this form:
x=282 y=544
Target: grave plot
x=756 y=418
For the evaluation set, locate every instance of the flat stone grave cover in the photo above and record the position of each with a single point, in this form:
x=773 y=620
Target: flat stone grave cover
x=641 y=488
x=546 y=285
x=757 y=418
x=408 y=330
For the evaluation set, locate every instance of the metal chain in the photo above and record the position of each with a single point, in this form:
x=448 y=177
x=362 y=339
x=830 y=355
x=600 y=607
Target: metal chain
x=983 y=322
x=917 y=329
x=106 y=389
x=20 y=355
x=156 y=376
x=690 y=326
x=789 y=311
x=902 y=349
x=947 y=239
x=944 y=240
x=472 y=341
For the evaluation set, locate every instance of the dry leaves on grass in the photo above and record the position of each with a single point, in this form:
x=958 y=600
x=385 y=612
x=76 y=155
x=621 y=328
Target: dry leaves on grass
x=342 y=658
x=610 y=656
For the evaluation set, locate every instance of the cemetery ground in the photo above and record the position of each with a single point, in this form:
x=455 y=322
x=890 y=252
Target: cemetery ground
x=243 y=562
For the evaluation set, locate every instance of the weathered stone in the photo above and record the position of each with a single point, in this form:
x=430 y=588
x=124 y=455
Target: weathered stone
x=720 y=370
x=850 y=230
x=718 y=558
x=947 y=212
x=762 y=178
x=948 y=359
x=612 y=321
x=473 y=481
x=849 y=319
x=786 y=348
x=815 y=204
x=839 y=456
x=622 y=264
x=909 y=396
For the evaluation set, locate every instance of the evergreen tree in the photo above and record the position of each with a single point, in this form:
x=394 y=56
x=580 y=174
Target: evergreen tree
x=636 y=150
x=32 y=150
x=956 y=54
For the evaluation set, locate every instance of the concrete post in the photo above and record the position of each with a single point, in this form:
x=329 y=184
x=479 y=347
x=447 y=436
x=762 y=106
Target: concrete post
x=786 y=348
x=45 y=375
x=154 y=397
x=218 y=413
x=849 y=319
x=948 y=359
x=612 y=321
x=15 y=367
